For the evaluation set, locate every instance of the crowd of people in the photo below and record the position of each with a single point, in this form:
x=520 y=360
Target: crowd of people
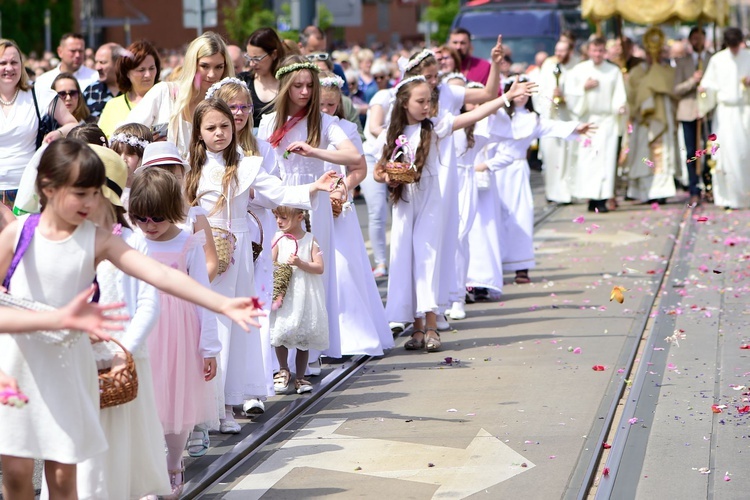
x=224 y=178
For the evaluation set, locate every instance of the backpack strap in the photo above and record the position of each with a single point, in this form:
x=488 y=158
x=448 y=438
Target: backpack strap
x=27 y=232
x=36 y=105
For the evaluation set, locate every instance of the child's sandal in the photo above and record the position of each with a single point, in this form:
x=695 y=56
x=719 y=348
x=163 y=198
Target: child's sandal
x=173 y=481
x=413 y=344
x=281 y=380
x=302 y=386
x=432 y=344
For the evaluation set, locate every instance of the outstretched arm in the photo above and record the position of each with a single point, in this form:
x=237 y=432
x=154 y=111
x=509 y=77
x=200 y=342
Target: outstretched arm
x=490 y=91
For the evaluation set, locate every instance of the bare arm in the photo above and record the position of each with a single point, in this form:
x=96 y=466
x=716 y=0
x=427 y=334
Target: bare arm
x=314 y=267
x=172 y=281
x=356 y=173
x=478 y=96
x=345 y=154
x=376 y=125
x=6 y=216
x=67 y=123
x=212 y=259
x=482 y=111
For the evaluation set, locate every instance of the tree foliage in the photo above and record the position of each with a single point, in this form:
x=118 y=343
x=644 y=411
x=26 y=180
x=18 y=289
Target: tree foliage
x=246 y=16
x=23 y=22
x=442 y=12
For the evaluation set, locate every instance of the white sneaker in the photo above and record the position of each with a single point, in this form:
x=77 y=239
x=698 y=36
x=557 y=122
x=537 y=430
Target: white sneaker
x=457 y=311
x=397 y=327
x=227 y=426
x=253 y=406
x=442 y=323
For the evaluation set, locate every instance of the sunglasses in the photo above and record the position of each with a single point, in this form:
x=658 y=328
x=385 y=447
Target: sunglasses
x=255 y=59
x=144 y=220
x=319 y=56
x=64 y=94
x=243 y=109
x=380 y=77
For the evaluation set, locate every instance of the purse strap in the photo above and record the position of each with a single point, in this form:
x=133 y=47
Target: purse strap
x=27 y=232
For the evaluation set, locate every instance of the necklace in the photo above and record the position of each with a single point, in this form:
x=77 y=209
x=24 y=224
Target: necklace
x=10 y=103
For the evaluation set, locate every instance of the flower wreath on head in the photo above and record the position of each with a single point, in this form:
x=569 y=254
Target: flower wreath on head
x=413 y=63
x=332 y=81
x=455 y=76
x=216 y=86
x=129 y=139
x=418 y=78
x=296 y=67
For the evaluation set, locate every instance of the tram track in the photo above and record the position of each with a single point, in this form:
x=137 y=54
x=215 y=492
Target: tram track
x=618 y=465
x=244 y=451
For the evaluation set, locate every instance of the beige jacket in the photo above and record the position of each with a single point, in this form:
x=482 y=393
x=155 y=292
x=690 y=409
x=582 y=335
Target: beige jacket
x=685 y=88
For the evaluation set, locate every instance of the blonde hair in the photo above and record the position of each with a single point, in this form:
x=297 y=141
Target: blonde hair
x=206 y=45
x=245 y=138
x=282 y=101
x=23 y=83
x=332 y=89
x=285 y=211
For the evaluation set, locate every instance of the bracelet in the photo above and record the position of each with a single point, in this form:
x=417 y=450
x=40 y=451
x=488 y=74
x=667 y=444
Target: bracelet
x=506 y=101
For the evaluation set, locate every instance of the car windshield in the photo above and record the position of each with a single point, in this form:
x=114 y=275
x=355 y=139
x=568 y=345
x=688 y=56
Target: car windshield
x=524 y=49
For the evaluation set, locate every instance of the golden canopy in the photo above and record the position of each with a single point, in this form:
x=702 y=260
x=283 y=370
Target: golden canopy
x=650 y=12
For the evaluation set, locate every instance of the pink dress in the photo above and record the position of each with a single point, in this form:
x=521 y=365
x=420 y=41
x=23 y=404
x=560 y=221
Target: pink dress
x=181 y=339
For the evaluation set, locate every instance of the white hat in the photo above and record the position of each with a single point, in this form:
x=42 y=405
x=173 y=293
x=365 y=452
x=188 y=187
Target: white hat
x=161 y=153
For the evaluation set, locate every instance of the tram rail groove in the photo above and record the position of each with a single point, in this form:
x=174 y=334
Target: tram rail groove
x=639 y=335
x=248 y=447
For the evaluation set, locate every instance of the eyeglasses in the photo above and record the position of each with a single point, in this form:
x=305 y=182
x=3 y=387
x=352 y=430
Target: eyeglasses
x=318 y=56
x=444 y=58
x=242 y=109
x=380 y=77
x=144 y=220
x=64 y=94
x=255 y=59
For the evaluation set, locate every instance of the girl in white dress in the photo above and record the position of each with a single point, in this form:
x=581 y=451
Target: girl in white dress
x=361 y=312
x=300 y=134
x=237 y=96
x=301 y=321
x=515 y=130
x=134 y=465
x=469 y=142
x=418 y=217
x=60 y=425
x=221 y=181
x=130 y=141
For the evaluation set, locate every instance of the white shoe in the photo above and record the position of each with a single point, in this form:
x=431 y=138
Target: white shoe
x=314 y=369
x=397 y=327
x=229 y=427
x=442 y=323
x=253 y=406
x=457 y=311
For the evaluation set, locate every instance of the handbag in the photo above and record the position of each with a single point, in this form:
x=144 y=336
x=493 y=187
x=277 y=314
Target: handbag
x=119 y=387
x=224 y=241
x=338 y=206
x=47 y=123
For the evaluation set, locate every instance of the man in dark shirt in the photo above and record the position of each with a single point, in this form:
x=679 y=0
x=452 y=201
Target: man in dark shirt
x=99 y=93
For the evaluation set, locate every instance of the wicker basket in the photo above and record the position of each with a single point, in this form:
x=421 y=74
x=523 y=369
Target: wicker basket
x=224 y=241
x=282 y=272
x=257 y=247
x=403 y=173
x=120 y=387
x=337 y=206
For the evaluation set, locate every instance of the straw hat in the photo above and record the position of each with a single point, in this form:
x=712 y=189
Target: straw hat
x=161 y=153
x=117 y=173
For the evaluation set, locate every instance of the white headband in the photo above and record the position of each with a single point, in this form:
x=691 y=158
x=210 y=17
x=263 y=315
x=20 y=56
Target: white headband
x=216 y=86
x=332 y=81
x=455 y=76
x=414 y=62
x=418 y=78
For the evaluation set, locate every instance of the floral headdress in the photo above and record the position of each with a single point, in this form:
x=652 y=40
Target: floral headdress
x=414 y=62
x=455 y=76
x=216 y=86
x=296 y=67
x=128 y=139
x=332 y=81
x=418 y=78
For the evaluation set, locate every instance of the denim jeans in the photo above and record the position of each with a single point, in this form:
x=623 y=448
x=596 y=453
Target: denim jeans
x=376 y=197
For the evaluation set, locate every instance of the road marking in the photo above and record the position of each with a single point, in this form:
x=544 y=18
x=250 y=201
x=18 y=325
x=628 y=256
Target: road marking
x=459 y=473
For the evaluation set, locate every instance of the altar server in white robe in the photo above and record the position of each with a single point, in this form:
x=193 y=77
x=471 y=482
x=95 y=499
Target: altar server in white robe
x=728 y=76
x=595 y=92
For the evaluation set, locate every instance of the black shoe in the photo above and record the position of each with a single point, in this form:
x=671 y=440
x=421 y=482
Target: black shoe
x=592 y=205
x=481 y=294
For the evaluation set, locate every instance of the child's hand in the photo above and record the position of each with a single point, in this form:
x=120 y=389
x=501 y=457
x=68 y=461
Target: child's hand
x=80 y=314
x=209 y=368
x=241 y=311
x=497 y=52
x=118 y=362
x=481 y=167
x=519 y=88
x=300 y=148
x=9 y=392
x=293 y=260
x=326 y=181
x=587 y=129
